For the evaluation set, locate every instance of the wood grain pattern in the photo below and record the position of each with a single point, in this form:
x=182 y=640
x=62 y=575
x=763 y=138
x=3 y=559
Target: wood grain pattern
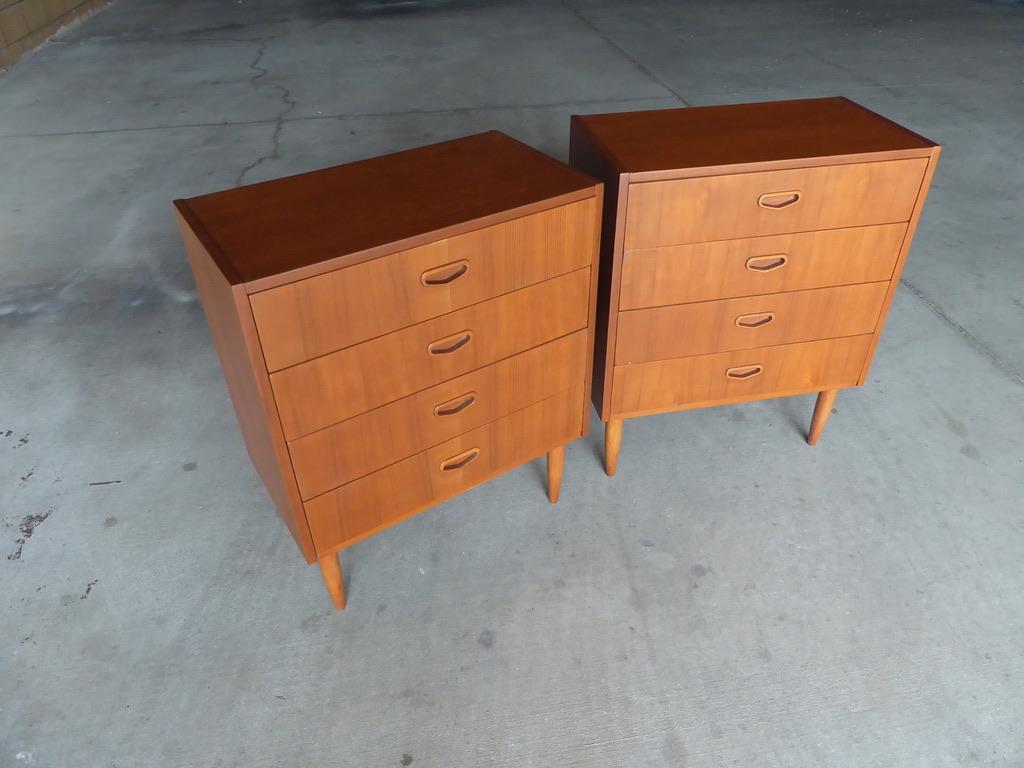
x=335 y=387
x=362 y=444
x=379 y=309
x=720 y=209
x=312 y=317
x=702 y=381
x=681 y=274
x=738 y=134
x=367 y=505
x=234 y=338
x=723 y=207
x=908 y=238
x=277 y=227
x=682 y=330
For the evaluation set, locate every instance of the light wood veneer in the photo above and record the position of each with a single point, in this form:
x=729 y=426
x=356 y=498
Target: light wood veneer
x=395 y=331
x=369 y=441
x=730 y=377
x=679 y=274
x=681 y=330
x=350 y=381
x=364 y=506
x=748 y=251
x=313 y=317
x=771 y=202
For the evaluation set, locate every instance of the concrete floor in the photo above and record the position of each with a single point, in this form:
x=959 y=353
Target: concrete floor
x=733 y=597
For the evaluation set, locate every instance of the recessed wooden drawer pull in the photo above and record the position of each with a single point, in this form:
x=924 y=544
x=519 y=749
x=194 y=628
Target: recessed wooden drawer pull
x=449 y=344
x=744 y=371
x=456 y=405
x=755 y=321
x=778 y=200
x=446 y=274
x=459 y=460
x=766 y=263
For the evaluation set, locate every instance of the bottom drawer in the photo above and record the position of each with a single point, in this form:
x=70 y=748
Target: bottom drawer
x=741 y=375
x=341 y=516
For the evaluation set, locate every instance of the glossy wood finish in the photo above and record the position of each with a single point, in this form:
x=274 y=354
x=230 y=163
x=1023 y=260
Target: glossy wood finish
x=721 y=215
x=680 y=274
x=434 y=303
x=902 y=258
x=724 y=207
x=362 y=444
x=556 y=468
x=373 y=502
x=330 y=569
x=822 y=410
x=330 y=218
x=309 y=318
x=708 y=138
x=734 y=376
x=354 y=380
x=753 y=321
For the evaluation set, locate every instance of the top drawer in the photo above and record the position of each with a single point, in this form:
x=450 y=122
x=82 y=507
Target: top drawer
x=771 y=203
x=308 y=318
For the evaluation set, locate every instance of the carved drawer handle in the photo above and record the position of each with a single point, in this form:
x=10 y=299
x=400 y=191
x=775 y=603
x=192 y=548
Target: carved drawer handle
x=777 y=200
x=744 y=371
x=756 y=320
x=449 y=344
x=456 y=405
x=446 y=274
x=459 y=460
x=766 y=263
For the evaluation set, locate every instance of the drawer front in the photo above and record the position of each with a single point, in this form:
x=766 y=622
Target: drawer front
x=753 y=321
x=679 y=274
x=363 y=444
x=731 y=376
x=430 y=477
x=770 y=203
x=312 y=317
x=329 y=389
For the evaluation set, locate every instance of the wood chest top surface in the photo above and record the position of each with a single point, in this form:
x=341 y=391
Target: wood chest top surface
x=736 y=134
x=274 y=227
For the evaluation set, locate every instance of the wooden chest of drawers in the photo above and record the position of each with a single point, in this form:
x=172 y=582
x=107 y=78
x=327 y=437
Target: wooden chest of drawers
x=398 y=330
x=748 y=251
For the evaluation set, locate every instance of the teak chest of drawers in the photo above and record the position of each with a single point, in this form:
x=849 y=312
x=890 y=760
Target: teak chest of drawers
x=398 y=330
x=748 y=251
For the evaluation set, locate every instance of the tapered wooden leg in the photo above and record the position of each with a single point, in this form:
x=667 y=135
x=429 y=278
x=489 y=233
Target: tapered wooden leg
x=822 y=410
x=330 y=567
x=556 y=464
x=612 y=441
